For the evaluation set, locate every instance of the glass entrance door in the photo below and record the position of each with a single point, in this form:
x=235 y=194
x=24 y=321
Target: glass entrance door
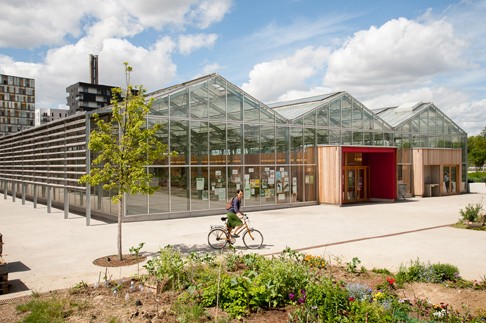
x=356 y=184
x=450 y=179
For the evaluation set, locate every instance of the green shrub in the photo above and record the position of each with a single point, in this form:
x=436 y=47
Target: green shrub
x=428 y=273
x=327 y=300
x=472 y=212
x=477 y=177
x=169 y=267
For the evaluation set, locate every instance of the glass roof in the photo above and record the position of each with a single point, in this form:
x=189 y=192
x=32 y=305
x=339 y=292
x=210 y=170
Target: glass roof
x=297 y=108
x=398 y=116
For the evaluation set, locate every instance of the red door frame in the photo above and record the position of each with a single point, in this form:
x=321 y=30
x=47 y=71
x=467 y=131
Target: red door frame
x=382 y=164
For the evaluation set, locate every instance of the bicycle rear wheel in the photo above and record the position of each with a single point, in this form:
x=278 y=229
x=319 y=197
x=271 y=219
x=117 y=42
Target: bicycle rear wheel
x=217 y=238
x=253 y=239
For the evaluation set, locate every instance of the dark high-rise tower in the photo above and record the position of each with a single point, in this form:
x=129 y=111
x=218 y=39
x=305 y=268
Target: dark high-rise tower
x=89 y=96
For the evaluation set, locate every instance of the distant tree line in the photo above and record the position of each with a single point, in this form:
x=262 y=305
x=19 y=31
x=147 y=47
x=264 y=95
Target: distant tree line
x=476 y=149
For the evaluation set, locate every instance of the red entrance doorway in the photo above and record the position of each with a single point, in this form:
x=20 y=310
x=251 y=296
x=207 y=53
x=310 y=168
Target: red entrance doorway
x=368 y=173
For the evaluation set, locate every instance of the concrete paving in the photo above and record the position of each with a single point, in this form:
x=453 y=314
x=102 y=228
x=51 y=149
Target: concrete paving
x=44 y=251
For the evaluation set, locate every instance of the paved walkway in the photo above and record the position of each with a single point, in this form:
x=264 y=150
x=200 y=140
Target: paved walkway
x=44 y=251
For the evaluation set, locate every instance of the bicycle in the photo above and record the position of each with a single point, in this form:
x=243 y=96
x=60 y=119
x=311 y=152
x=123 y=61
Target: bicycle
x=218 y=235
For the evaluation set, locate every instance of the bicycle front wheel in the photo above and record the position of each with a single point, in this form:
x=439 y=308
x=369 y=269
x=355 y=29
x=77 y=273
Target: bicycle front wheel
x=253 y=239
x=217 y=238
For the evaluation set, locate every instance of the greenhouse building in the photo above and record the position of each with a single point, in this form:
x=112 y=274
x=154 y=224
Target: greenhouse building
x=327 y=149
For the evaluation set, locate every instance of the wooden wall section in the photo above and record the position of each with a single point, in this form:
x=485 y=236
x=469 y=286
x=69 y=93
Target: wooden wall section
x=433 y=157
x=329 y=172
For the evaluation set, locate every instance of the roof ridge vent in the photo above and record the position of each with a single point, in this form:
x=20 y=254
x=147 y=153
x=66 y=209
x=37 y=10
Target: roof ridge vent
x=408 y=107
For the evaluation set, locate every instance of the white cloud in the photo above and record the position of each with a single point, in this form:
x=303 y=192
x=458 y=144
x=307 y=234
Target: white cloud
x=211 y=68
x=269 y=80
x=210 y=11
x=400 y=52
x=188 y=43
x=31 y=24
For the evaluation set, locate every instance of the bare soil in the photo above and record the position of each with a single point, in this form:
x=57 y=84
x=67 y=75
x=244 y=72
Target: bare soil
x=93 y=303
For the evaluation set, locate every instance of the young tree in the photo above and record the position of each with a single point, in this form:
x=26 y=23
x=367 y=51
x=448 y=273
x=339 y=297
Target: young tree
x=124 y=145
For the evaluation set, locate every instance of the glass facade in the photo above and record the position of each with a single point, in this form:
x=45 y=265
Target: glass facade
x=226 y=140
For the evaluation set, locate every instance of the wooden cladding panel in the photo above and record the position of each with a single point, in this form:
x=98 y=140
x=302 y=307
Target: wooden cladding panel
x=329 y=161
x=440 y=156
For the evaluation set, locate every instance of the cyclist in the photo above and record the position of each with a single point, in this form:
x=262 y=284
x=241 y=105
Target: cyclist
x=234 y=214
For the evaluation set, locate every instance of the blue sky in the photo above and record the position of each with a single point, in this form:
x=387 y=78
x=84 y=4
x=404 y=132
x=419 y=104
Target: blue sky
x=384 y=53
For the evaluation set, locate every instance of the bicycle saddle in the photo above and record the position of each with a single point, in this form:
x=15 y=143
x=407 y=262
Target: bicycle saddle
x=223 y=218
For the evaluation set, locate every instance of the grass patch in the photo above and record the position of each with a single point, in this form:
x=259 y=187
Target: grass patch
x=49 y=311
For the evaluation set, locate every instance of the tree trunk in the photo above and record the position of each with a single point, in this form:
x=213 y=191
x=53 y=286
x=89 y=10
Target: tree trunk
x=120 y=219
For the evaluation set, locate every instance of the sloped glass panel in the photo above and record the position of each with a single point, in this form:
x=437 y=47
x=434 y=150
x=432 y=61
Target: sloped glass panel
x=217 y=99
x=367 y=120
x=235 y=104
x=267 y=142
x=433 y=142
x=234 y=141
x=179 y=104
x=159 y=200
x=432 y=121
x=415 y=123
x=217 y=192
x=199 y=143
x=447 y=141
x=179 y=142
x=323 y=115
x=251 y=110
x=335 y=137
x=179 y=189
x=424 y=122
x=296 y=145
x=378 y=138
x=200 y=188
x=160 y=106
x=377 y=124
x=347 y=138
x=282 y=144
x=322 y=136
x=335 y=113
x=309 y=137
x=310 y=119
x=357 y=138
x=279 y=119
x=267 y=116
x=298 y=121
x=346 y=112
x=456 y=142
x=439 y=123
x=136 y=204
x=357 y=115
x=254 y=192
x=162 y=135
x=199 y=100
x=388 y=138
x=406 y=127
x=217 y=143
x=252 y=144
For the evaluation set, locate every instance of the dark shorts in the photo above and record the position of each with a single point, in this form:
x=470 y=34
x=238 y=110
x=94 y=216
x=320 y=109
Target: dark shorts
x=233 y=220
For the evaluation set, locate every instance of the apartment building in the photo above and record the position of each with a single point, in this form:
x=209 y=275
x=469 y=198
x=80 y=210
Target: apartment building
x=17 y=103
x=47 y=115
